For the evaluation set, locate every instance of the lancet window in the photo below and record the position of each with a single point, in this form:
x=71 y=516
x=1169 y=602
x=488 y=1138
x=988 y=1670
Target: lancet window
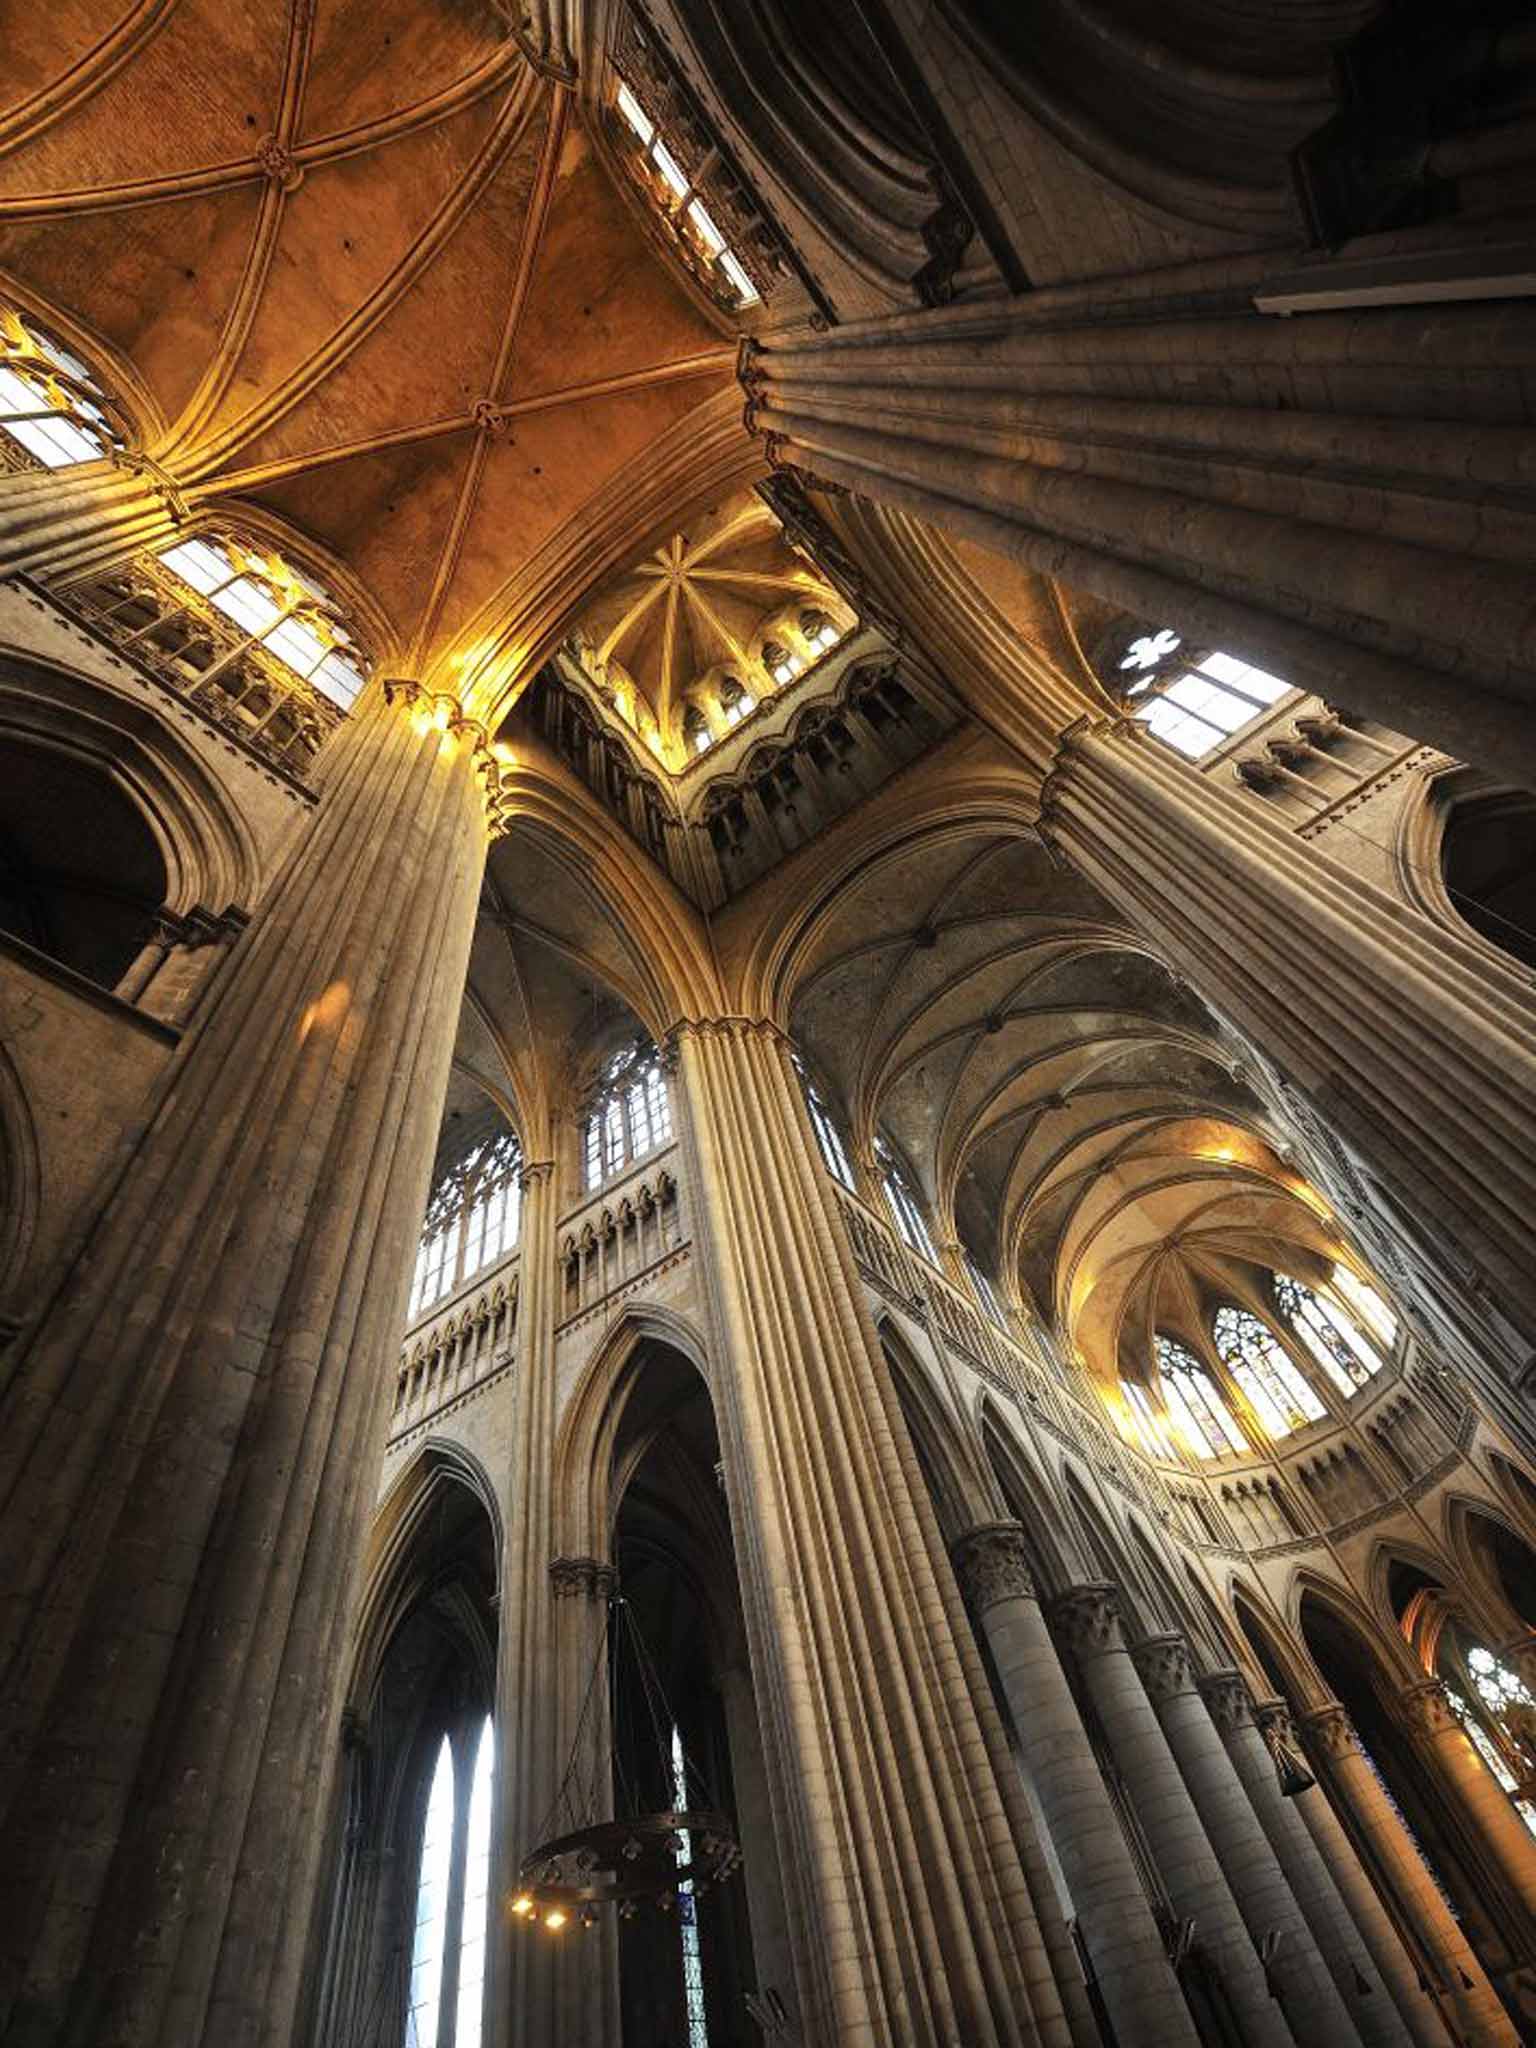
x=986 y=1293
x=1150 y=1425
x=1498 y=1711
x=1193 y=698
x=630 y=1115
x=472 y=1219
x=1197 y=1410
x=1279 y=1394
x=736 y=700
x=688 y=1908
x=904 y=1203
x=452 y=1903
x=53 y=412
x=1334 y=1339
x=829 y=1138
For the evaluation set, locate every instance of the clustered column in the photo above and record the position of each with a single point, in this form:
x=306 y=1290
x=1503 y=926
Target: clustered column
x=1116 y=1927
x=1469 y=2001
x=1089 y=1618
x=194 y=1423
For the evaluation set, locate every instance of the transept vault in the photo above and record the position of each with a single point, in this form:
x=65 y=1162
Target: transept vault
x=767 y=1052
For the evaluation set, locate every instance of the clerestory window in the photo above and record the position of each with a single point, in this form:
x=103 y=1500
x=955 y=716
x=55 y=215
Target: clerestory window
x=1198 y=1412
x=829 y=1138
x=51 y=406
x=453 y=1902
x=1279 y=1394
x=682 y=207
x=472 y=1219
x=1193 y=698
x=276 y=607
x=904 y=1203
x=1335 y=1340
x=629 y=1116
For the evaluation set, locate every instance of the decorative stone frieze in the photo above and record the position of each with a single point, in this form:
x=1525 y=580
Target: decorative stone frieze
x=1088 y=1618
x=1165 y=1666
x=581 y=1578
x=992 y=1564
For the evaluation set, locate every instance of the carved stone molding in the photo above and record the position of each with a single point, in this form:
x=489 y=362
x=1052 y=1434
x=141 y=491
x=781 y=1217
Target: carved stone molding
x=1330 y=1728
x=1428 y=1711
x=581 y=1578
x=1165 y=1666
x=1088 y=1618
x=136 y=463
x=278 y=164
x=533 y=1173
x=992 y=1563
x=1226 y=1695
x=491 y=418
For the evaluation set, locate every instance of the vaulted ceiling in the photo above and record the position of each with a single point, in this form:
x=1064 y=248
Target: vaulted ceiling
x=362 y=268
x=1072 y=1112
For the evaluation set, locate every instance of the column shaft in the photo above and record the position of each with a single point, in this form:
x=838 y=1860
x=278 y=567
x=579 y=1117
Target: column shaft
x=1186 y=1860
x=192 y=1431
x=1114 y=1918
x=909 y=1914
x=1370 y=1992
x=1248 y=1862
x=1468 y=2000
x=1449 y=1750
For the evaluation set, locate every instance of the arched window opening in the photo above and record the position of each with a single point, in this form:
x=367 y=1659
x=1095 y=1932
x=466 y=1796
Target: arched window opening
x=1279 y=1395
x=279 y=608
x=436 y=1869
x=1372 y=1310
x=52 y=410
x=688 y=1907
x=472 y=1219
x=629 y=1116
x=477 y=1885
x=682 y=207
x=1340 y=1347
x=1149 y=1424
x=1488 y=863
x=1193 y=698
x=696 y=730
x=1199 y=1414
x=904 y=1204
x=81 y=874
x=828 y=1137
x=781 y=662
x=986 y=1293
x=736 y=700
x=821 y=632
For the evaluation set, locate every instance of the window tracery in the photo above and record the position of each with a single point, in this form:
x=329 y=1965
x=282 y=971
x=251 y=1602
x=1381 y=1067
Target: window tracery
x=1194 y=1405
x=828 y=1137
x=1279 y=1395
x=51 y=406
x=280 y=608
x=904 y=1204
x=680 y=201
x=1193 y=698
x=1340 y=1347
x=1149 y=1424
x=472 y=1219
x=629 y=1116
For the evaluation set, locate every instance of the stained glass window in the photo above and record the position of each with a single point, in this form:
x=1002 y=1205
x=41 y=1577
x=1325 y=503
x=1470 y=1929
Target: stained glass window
x=477 y=1884
x=630 y=1115
x=1367 y=1304
x=688 y=1909
x=1197 y=1410
x=1279 y=1395
x=1340 y=1347
x=432 y=1906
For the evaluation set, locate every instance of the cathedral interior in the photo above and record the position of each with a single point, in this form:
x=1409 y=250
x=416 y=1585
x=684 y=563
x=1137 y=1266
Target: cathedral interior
x=767 y=1024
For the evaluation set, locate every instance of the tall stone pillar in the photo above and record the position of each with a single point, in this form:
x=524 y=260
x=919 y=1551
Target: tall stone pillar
x=1089 y=1617
x=193 y=1423
x=909 y=1915
x=554 y=1613
x=1471 y=2005
x=1408 y=1048
x=1362 y=1986
x=1306 y=1990
x=1448 y=1748
x=1114 y=1918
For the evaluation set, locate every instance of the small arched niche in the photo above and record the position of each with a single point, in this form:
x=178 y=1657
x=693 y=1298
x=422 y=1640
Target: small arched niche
x=82 y=875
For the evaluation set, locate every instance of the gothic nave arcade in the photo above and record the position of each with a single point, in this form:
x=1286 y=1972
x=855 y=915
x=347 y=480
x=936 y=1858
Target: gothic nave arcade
x=766 y=1034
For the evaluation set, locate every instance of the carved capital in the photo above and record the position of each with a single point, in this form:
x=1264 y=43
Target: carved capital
x=158 y=477
x=533 y=1173
x=1165 y=1666
x=751 y=374
x=1428 y=1712
x=1088 y=1618
x=992 y=1564
x=1329 y=1727
x=1226 y=1696
x=278 y=164
x=581 y=1578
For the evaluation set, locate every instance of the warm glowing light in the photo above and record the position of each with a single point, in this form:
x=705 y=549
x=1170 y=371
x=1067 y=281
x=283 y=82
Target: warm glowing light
x=522 y=1905
x=442 y=711
x=504 y=754
x=326 y=1010
x=554 y=1919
